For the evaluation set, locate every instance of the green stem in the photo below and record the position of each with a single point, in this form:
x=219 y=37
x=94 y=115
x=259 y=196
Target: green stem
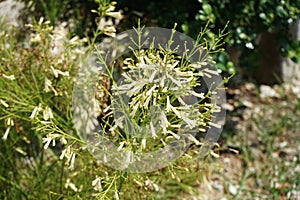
x=61 y=176
x=123 y=178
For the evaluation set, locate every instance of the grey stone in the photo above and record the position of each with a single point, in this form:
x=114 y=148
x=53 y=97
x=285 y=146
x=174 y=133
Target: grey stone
x=291 y=70
x=10 y=11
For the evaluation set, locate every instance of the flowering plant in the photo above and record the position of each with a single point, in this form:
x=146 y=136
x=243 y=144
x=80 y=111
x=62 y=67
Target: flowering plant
x=161 y=101
x=37 y=119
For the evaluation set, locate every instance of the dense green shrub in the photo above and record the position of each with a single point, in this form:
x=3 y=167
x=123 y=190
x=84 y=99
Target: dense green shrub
x=247 y=19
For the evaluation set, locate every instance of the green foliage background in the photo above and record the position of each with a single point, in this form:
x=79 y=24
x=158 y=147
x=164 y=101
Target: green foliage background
x=247 y=20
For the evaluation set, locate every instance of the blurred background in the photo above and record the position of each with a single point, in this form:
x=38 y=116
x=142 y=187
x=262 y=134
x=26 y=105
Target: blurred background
x=259 y=154
x=262 y=33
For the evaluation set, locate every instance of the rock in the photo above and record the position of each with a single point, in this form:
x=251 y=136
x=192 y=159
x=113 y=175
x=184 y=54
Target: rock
x=267 y=91
x=216 y=185
x=247 y=104
x=250 y=86
x=228 y=106
x=232 y=189
x=290 y=70
x=10 y=11
x=294 y=194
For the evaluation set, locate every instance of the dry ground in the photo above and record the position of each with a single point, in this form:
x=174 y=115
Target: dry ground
x=262 y=142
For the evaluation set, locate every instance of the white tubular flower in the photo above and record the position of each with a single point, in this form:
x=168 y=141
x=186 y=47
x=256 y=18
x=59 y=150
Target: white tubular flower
x=199 y=95
x=164 y=122
x=49 y=87
x=193 y=139
x=10 y=122
x=96 y=183
x=63 y=73
x=138 y=183
x=128 y=158
x=181 y=101
x=104 y=158
x=69 y=153
x=63 y=140
x=155 y=186
x=117 y=195
x=152 y=76
x=36 y=38
x=134 y=109
x=57 y=72
x=191 y=123
x=215 y=125
x=202 y=130
x=137 y=86
x=162 y=82
x=180 y=73
x=208 y=75
x=111 y=7
x=106 y=176
x=35 y=111
x=177 y=82
x=47 y=114
x=150 y=183
x=149 y=92
x=47 y=142
x=153 y=132
x=41 y=20
x=168 y=109
x=62 y=155
x=214 y=154
x=199 y=65
x=116 y=15
x=148 y=96
x=120 y=146
x=4 y=137
x=74 y=40
x=143 y=143
x=217 y=109
x=19 y=150
x=214 y=72
x=174 y=134
x=175 y=111
x=11 y=77
x=71 y=185
x=72 y=161
x=4 y=103
x=110 y=31
x=146 y=103
x=173 y=65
